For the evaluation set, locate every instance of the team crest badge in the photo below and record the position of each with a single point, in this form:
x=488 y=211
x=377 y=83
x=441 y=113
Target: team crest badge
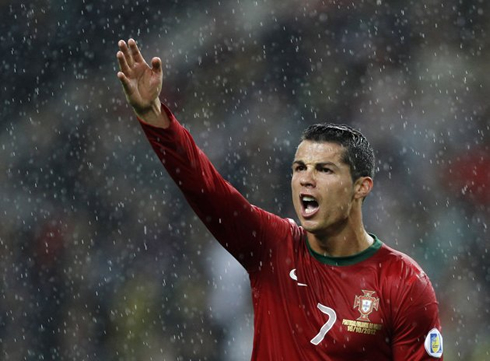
x=366 y=304
x=433 y=343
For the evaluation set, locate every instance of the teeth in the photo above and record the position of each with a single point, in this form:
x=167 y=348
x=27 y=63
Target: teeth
x=310 y=204
x=308 y=199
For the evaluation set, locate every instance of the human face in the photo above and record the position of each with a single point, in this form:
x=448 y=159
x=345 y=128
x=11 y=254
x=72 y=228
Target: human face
x=322 y=187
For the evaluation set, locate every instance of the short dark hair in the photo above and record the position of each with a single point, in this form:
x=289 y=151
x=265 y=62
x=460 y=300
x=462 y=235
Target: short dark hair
x=358 y=154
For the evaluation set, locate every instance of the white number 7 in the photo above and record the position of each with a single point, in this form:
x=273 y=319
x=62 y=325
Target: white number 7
x=332 y=317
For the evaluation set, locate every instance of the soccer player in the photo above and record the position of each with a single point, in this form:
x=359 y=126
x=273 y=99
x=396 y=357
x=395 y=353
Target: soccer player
x=325 y=290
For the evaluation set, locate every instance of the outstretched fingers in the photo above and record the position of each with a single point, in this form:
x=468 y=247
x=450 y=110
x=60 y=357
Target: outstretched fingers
x=123 y=47
x=123 y=63
x=135 y=51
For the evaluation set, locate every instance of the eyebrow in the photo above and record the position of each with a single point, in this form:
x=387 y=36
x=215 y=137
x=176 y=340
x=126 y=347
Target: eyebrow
x=321 y=164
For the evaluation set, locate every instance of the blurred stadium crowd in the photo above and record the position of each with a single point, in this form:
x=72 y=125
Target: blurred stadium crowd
x=101 y=259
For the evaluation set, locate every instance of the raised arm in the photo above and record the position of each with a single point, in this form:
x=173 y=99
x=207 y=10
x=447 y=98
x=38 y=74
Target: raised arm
x=142 y=84
x=246 y=231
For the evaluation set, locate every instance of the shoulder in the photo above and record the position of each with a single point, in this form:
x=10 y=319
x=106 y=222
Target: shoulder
x=276 y=229
x=413 y=307
x=296 y=231
x=399 y=265
x=404 y=282
x=291 y=235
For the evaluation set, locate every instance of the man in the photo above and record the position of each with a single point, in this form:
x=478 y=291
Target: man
x=325 y=290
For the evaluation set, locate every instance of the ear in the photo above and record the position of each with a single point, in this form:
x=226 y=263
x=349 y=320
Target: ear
x=363 y=187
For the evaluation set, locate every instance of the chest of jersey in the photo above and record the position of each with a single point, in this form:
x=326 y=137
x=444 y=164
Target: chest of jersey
x=331 y=312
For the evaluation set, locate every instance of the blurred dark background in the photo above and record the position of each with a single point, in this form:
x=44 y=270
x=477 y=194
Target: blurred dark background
x=101 y=259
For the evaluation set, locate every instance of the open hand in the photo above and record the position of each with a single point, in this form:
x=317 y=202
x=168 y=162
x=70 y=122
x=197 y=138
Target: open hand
x=142 y=84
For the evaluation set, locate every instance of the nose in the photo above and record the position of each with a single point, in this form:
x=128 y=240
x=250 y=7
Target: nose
x=307 y=179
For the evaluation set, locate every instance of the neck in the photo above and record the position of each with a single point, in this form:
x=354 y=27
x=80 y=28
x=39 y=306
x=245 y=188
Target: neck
x=347 y=241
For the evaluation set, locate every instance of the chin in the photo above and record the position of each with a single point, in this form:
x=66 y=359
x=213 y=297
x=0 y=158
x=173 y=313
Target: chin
x=309 y=226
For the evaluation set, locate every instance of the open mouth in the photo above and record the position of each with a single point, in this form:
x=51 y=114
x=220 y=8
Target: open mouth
x=310 y=204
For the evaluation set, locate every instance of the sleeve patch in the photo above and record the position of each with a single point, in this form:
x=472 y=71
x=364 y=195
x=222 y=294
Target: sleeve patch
x=433 y=343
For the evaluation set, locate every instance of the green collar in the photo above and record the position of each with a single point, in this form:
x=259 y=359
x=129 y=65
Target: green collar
x=348 y=260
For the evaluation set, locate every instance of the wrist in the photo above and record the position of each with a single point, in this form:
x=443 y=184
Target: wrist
x=154 y=115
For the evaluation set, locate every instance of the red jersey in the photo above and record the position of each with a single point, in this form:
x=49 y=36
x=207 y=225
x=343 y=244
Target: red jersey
x=376 y=305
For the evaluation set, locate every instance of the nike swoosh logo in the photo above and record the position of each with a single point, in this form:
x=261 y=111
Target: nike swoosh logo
x=292 y=274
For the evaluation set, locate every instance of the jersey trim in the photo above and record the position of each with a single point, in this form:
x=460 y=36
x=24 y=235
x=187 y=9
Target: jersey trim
x=348 y=260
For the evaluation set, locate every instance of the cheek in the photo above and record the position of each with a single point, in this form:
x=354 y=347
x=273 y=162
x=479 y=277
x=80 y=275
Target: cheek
x=340 y=196
x=345 y=188
x=293 y=191
x=294 y=183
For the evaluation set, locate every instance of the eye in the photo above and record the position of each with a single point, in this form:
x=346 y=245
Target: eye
x=299 y=167
x=325 y=170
